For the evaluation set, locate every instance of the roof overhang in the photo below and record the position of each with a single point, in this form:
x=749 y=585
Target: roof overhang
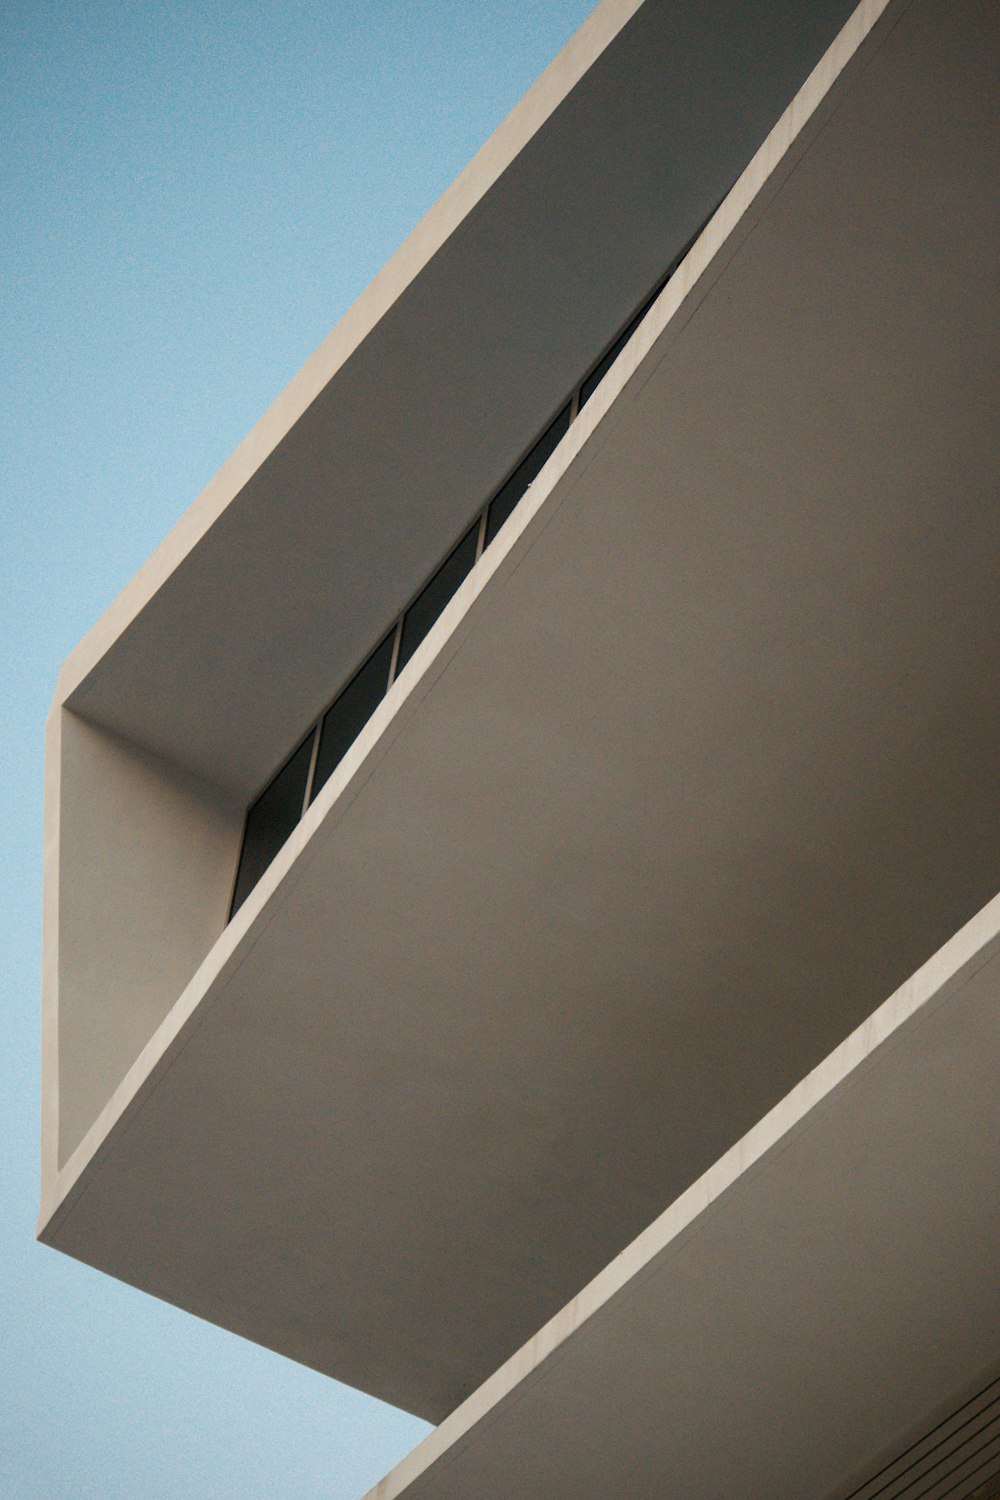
x=338 y=505
x=697 y=767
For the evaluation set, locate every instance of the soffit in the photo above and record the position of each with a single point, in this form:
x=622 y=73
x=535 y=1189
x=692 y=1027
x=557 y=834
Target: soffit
x=344 y=514
x=707 y=770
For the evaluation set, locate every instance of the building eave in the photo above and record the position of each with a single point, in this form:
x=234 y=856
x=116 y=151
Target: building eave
x=352 y=487
x=696 y=766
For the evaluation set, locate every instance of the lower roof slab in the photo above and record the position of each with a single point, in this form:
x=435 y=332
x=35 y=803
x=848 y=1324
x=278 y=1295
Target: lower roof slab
x=802 y=1313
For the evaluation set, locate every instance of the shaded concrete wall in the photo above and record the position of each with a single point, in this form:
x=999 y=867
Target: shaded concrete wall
x=145 y=861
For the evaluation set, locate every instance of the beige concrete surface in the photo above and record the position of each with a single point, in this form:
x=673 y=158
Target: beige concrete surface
x=335 y=510
x=820 y=1295
x=697 y=767
x=145 y=859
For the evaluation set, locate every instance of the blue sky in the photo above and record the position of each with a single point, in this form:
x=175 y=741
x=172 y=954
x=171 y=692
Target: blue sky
x=192 y=196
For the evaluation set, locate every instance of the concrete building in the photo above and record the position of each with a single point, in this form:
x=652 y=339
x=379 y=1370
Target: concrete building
x=521 y=858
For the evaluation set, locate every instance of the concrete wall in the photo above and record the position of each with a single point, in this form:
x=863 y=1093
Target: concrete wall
x=145 y=857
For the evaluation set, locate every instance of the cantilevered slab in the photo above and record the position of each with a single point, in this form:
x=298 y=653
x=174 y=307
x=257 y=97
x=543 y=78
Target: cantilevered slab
x=826 y=1292
x=339 y=504
x=696 y=768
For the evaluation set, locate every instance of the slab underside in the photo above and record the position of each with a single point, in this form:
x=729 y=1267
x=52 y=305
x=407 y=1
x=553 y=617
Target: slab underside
x=442 y=376
x=827 y=1294
x=705 y=771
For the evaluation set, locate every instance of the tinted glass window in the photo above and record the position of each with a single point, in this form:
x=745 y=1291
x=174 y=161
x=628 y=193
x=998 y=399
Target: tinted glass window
x=599 y=371
x=428 y=605
x=345 y=719
x=604 y=364
x=527 y=470
x=271 y=819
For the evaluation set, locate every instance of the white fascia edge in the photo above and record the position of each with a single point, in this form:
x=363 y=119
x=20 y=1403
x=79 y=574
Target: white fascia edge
x=673 y=309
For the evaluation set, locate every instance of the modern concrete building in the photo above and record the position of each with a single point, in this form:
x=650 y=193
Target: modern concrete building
x=522 y=930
